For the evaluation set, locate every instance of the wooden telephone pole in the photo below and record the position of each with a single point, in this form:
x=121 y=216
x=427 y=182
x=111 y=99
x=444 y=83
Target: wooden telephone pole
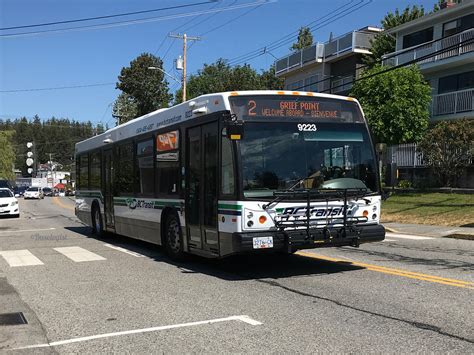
x=185 y=39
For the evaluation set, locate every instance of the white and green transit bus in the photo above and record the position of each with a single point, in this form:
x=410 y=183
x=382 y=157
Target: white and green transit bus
x=236 y=172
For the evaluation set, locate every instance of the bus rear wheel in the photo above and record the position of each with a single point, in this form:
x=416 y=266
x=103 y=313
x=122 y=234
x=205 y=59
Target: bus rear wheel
x=173 y=238
x=97 y=224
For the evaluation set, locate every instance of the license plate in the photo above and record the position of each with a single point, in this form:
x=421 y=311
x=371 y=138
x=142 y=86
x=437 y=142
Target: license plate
x=262 y=242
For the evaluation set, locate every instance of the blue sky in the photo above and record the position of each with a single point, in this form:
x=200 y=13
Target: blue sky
x=95 y=56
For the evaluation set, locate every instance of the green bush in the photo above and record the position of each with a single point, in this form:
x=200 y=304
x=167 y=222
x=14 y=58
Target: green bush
x=404 y=184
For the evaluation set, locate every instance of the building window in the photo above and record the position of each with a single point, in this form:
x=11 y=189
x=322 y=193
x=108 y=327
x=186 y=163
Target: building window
x=462 y=24
x=311 y=83
x=144 y=168
x=416 y=38
x=457 y=82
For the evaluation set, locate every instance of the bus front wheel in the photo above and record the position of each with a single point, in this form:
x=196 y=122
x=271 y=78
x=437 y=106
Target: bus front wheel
x=173 y=238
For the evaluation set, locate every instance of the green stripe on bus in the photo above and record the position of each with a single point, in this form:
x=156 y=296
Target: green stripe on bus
x=230 y=207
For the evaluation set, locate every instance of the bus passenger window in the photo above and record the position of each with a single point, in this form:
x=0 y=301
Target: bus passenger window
x=227 y=168
x=144 y=167
x=124 y=175
x=167 y=163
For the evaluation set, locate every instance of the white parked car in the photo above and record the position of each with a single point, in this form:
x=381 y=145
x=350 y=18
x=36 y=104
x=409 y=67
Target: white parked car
x=33 y=192
x=8 y=203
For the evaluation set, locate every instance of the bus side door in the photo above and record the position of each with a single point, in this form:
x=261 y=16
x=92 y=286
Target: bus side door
x=201 y=187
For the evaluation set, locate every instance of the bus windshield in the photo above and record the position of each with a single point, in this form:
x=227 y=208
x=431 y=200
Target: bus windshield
x=276 y=156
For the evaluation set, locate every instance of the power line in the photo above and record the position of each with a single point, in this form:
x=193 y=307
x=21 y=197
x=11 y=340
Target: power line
x=278 y=44
x=137 y=21
x=177 y=28
x=294 y=33
x=57 y=88
x=106 y=16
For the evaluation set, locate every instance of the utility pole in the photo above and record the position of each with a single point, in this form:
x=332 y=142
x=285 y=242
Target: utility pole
x=185 y=39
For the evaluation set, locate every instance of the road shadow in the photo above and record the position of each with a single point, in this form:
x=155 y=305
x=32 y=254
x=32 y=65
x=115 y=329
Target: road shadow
x=468 y=225
x=234 y=268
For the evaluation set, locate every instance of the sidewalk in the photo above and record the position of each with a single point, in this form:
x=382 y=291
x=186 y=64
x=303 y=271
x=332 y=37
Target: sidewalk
x=430 y=230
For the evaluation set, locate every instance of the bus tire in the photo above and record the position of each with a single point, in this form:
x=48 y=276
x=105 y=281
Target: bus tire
x=173 y=237
x=97 y=223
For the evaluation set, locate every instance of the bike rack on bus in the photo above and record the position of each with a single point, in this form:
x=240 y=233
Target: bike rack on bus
x=311 y=195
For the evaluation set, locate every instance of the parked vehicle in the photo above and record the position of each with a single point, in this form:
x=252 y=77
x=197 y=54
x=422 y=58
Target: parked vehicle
x=34 y=192
x=5 y=184
x=70 y=192
x=19 y=190
x=8 y=203
x=47 y=191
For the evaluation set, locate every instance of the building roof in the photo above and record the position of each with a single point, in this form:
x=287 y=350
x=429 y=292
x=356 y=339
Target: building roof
x=434 y=17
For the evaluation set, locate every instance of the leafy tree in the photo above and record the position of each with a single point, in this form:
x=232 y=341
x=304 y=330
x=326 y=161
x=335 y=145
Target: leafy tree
x=7 y=155
x=269 y=81
x=125 y=108
x=448 y=147
x=221 y=77
x=305 y=39
x=383 y=43
x=395 y=103
x=147 y=88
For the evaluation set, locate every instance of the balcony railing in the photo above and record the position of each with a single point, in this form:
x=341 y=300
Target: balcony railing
x=322 y=51
x=453 y=102
x=458 y=44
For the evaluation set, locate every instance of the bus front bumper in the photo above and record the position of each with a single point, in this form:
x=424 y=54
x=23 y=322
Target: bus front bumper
x=292 y=240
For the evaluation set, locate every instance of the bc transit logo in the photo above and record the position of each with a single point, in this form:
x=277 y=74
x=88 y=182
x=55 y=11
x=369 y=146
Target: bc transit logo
x=133 y=203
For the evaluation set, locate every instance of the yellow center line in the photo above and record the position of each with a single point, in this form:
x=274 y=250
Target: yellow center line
x=58 y=202
x=392 y=271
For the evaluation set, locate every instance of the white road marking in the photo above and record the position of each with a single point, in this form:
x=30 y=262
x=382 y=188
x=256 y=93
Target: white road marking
x=389 y=240
x=407 y=236
x=242 y=318
x=79 y=254
x=123 y=250
x=20 y=258
x=28 y=230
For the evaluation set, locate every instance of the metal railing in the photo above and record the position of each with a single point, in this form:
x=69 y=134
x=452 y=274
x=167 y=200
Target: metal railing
x=453 y=102
x=459 y=43
x=405 y=155
x=320 y=51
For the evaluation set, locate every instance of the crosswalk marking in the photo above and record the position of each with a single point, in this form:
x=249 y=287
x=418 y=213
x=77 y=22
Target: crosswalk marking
x=406 y=236
x=78 y=254
x=123 y=250
x=23 y=257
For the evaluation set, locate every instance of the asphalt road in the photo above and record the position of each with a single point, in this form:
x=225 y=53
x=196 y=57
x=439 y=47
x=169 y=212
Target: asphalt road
x=400 y=295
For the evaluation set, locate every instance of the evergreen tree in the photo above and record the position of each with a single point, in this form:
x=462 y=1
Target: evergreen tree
x=305 y=39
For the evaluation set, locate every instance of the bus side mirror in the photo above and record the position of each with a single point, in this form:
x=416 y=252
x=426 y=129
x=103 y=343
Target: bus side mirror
x=235 y=131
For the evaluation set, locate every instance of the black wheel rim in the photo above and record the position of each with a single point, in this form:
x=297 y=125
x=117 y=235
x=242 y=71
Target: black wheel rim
x=174 y=241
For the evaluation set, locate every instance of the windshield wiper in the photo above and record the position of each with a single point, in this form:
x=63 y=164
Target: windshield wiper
x=290 y=189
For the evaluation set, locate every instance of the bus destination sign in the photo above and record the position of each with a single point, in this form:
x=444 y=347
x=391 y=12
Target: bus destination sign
x=327 y=109
x=293 y=109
